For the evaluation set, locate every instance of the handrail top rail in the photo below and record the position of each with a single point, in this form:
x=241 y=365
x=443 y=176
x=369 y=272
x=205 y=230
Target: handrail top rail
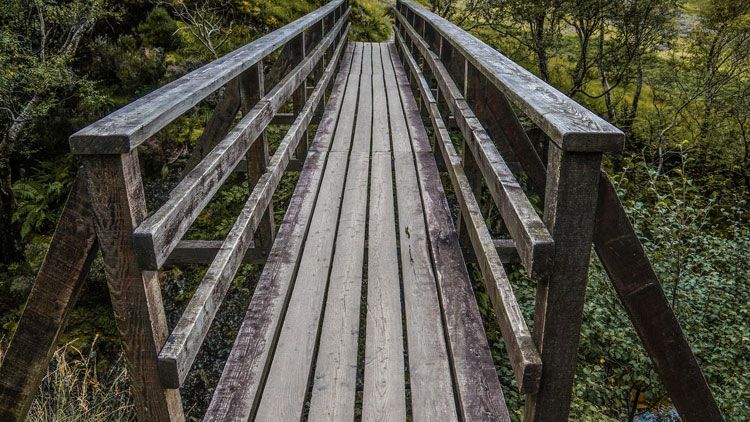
x=124 y=129
x=570 y=125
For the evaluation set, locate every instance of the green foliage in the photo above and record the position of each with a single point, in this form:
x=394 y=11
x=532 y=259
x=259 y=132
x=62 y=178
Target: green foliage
x=370 y=21
x=40 y=197
x=158 y=30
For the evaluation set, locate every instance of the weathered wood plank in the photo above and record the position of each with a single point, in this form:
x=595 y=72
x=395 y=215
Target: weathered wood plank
x=56 y=289
x=641 y=294
x=252 y=89
x=535 y=245
x=160 y=233
x=186 y=339
x=383 y=396
x=284 y=391
x=203 y=252
x=334 y=386
x=128 y=127
x=237 y=393
x=429 y=366
x=479 y=395
x=117 y=201
x=523 y=354
x=570 y=125
x=570 y=204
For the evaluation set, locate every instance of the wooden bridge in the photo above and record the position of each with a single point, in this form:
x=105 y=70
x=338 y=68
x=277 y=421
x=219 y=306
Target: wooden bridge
x=364 y=288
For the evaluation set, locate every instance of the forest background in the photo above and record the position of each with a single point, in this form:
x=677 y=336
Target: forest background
x=673 y=74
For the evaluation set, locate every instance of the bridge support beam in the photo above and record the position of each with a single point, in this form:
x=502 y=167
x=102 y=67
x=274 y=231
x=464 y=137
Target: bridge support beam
x=118 y=204
x=570 y=205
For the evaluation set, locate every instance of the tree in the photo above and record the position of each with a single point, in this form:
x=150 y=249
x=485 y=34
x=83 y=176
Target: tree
x=39 y=41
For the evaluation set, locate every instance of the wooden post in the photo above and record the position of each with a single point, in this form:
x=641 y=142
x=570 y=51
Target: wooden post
x=48 y=307
x=299 y=98
x=570 y=204
x=117 y=200
x=252 y=89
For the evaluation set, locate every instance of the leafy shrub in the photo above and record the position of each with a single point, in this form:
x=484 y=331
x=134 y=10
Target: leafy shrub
x=370 y=21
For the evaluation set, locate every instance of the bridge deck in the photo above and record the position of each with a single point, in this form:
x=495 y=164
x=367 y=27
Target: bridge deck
x=365 y=288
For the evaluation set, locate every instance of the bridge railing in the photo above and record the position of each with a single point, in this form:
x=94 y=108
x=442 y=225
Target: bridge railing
x=107 y=208
x=464 y=83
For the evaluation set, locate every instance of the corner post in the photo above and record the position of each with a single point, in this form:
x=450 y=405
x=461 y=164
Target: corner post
x=252 y=89
x=570 y=205
x=118 y=204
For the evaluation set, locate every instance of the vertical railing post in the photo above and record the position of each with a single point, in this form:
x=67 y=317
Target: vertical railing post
x=299 y=98
x=117 y=201
x=252 y=89
x=570 y=204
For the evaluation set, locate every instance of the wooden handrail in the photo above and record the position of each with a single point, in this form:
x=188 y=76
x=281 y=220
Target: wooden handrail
x=159 y=234
x=535 y=244
x=570 y=125
x=524 y=357
x=123 y=130
x=182 y=345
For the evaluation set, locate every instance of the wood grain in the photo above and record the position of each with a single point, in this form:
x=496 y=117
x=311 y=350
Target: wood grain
x=284 y=391
x=384 y=396
x=117 y=201
x=237 y=394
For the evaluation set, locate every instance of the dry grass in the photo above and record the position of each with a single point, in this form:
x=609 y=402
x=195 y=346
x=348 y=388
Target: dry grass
x=73 y=390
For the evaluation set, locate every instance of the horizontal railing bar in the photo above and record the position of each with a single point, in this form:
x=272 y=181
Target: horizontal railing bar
x=203 y=252
x=524 y=357
x=535 y=244
x=155 y=238
x=570 y=125
x=294 y=165
x=126 y=128
x=179 y=352
x=506 y=249
x=283 y=119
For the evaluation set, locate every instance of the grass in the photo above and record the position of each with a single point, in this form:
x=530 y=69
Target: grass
x=73 y=390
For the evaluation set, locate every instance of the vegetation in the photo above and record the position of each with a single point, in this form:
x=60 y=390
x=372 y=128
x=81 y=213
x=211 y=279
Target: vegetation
x=674 y=74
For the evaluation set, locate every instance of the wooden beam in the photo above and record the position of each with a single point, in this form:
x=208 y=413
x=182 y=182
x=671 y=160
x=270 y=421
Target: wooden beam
x=117 y=200
x=535 y=245
x=479 y=395
x=56 y=289
x=125 y=129
x=238 y=392
x=182 y=346
x=252 y=89
x=160 y=233
x=570 y=204
x=640 y=292
x=203 y=252
x=570 y=125
x=523 y=354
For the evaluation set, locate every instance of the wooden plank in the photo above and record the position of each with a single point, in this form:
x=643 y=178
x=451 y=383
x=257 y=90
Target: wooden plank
x=506 y=249
x=203 y=252
x=160 y=233
x=237 y=393
x=641 y=294
x=479 y=394
x=524 y=357
x=252 y=89
x=570 y=125
x=535 y=245
x=56 y=289
x=183 y=344
x=218 y=125
x=117 y=201
x=284 y=391
x=429 y=366
x=125 y=129
x=384 y=396
x=570 y=204
x=335 y=381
